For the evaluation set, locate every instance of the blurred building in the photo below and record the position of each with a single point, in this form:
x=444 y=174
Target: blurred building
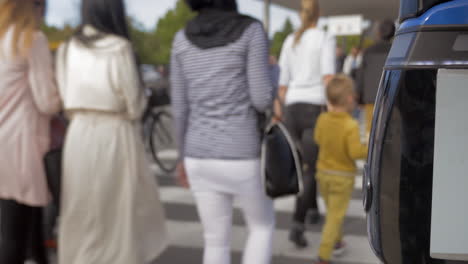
x=370 y=9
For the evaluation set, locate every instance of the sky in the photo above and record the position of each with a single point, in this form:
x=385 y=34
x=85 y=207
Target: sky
x=147 y=12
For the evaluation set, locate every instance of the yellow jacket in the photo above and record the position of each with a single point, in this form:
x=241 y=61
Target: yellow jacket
x=338 y=137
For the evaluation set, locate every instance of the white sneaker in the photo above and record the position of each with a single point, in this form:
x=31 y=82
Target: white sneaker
x=340 y=249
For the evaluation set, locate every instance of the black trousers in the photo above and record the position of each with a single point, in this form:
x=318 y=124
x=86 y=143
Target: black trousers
x=20 y=233
x=300 y=120
x=51 y=213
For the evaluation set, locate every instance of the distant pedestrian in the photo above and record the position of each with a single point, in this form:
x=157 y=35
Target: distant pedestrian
x=338 y=137
x=373 y=61
x=28 y=99
x=163 y=83
x=340 y=59
x=353 y=62
x=274 y=70
x=110 y=207
x=307 y=61
x=220 y=80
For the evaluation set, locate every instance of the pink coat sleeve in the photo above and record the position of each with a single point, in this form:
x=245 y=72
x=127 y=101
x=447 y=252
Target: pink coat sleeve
x=41 y=77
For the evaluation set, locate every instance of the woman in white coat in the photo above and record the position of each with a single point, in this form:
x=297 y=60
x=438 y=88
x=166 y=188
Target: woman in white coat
x=110 y=208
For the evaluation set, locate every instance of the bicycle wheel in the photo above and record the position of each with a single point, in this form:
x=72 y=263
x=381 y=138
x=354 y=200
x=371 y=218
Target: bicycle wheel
x=162 y=142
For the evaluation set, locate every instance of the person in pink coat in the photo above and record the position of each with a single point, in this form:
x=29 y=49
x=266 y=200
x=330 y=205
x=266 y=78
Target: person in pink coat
x=28 y=98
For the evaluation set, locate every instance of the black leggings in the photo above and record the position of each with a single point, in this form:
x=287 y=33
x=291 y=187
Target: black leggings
x=20 y=233
x=300 y=120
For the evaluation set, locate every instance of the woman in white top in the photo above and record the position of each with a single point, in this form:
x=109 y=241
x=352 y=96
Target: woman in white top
x=307 y=61
x=352 y=62
x=110 y=207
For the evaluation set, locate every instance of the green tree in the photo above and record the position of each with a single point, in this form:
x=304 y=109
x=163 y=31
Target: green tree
x=166 y=29
x=153 y=47
x=145 y=43
x=57 y=35
x=280 y=36
x=348 y=42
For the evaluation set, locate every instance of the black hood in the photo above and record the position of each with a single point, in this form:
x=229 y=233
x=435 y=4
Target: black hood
x=216 y=28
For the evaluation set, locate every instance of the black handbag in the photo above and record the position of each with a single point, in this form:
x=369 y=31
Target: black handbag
x=281 y=163
x=53 y=168
x=53 y=158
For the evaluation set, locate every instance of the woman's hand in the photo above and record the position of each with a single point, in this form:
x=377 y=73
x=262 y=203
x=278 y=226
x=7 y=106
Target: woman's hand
x=277 y=111
x=278 y=104
x=276 y=118
x=181 y=175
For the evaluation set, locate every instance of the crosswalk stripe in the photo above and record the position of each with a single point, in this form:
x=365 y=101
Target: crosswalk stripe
x=186 y=231
x=178 y=195
x=188 y=213
x=186 y=234
x=190 y=235
x=182 y=255
x=157 y=171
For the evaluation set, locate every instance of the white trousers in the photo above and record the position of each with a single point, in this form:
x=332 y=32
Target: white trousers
x=215 y=207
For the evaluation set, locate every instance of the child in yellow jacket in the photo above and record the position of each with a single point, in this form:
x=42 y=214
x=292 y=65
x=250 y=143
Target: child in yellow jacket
x=338 y=137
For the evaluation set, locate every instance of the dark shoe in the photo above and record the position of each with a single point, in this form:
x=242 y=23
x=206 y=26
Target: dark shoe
x=314 y=217
x=340 y=249
x=297 y=237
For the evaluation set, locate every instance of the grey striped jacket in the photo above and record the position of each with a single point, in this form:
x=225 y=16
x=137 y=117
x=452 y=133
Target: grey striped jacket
x=216 y=93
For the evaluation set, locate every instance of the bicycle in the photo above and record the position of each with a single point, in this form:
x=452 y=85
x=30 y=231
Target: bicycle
x=157 y=130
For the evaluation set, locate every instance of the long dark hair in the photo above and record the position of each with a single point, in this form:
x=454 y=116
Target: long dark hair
x=225 y=5
x=107 y=16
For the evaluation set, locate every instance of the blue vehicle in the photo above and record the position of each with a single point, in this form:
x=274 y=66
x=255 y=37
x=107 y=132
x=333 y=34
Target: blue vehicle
x=410 y=182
